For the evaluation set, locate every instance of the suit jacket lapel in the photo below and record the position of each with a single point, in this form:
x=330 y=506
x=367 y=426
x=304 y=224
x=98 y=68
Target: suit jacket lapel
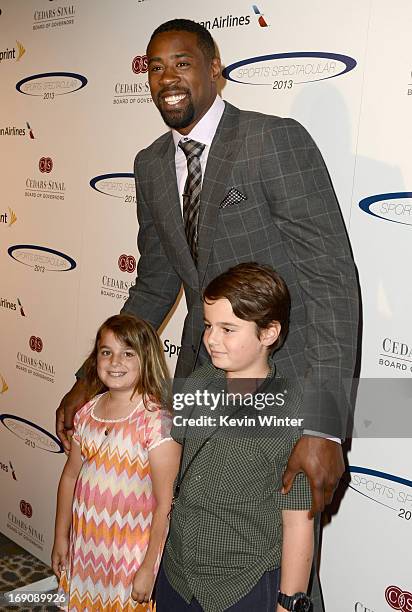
x=218 y=169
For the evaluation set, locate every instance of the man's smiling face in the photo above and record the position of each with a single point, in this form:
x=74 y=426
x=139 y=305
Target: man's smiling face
x=182 y=79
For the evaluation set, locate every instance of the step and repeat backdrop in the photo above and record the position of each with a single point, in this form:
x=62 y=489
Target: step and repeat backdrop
x=75 y=109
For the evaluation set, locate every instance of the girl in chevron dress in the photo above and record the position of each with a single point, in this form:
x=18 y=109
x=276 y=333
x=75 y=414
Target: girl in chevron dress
x=115 y=491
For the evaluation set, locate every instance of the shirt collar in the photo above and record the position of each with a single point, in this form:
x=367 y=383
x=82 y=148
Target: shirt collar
x=219 y=374
x=205 y=130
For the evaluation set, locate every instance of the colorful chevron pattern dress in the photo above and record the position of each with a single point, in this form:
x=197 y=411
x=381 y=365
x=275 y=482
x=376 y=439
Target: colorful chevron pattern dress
x=112 y=507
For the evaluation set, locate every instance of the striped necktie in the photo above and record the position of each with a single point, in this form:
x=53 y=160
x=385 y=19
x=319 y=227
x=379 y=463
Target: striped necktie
x=191 y=196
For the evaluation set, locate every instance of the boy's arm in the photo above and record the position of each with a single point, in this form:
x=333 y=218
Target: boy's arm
x=164 y=464
x=297 y=552
x=64 y=508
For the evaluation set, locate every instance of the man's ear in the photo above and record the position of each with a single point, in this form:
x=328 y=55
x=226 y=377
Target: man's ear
x=216 y=68
x=270 y=334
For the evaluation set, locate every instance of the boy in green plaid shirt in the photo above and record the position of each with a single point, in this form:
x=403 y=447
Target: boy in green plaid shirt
x=232 y=526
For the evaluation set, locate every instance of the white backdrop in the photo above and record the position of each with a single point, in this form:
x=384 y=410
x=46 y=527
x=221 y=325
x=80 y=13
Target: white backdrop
x=75 y=110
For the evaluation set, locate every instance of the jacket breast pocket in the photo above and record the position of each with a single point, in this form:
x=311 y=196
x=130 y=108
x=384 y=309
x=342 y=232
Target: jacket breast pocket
x=248 y=216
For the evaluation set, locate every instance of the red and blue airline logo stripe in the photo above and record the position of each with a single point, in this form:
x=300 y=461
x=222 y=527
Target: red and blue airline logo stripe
x=261 y=19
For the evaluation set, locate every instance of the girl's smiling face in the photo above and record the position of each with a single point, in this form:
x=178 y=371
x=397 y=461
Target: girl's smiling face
x=118 y=365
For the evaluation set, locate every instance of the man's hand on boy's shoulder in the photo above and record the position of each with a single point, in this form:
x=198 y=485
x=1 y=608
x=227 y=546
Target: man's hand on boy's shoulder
x=321 y=460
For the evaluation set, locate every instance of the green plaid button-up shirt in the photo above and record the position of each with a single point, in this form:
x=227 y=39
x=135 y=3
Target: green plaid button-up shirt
x=226 y=527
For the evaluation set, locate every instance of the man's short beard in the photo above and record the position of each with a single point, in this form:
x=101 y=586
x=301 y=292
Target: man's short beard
x=176 y=119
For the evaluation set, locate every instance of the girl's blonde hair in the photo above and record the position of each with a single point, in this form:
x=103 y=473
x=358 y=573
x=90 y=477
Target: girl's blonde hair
x=154 y=380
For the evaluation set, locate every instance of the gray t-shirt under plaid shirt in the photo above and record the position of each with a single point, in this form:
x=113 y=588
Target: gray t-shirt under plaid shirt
x=226 y=528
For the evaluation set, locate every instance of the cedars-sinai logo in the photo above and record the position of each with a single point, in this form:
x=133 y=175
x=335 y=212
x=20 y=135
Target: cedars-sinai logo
x=285 y=70
x=395 y=207
x=140 y=64
x=48 y=85
x=127 y=263
x=36 y=344
x=26 y=509
x=398 y=599
x=46 y=164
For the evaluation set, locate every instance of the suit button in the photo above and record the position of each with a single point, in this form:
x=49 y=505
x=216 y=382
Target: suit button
x=193 y=348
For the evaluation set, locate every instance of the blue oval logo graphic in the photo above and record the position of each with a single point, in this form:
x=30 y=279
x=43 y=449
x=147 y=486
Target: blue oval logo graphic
x=117 y=185
x=385 y=489
x=33 y=435
x=56 y=83
x=49 y=259
x=290 y=68
x=394 y=207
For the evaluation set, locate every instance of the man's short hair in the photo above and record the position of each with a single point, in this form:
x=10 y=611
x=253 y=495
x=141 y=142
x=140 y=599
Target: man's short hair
x=204 y=38
x=257 y=293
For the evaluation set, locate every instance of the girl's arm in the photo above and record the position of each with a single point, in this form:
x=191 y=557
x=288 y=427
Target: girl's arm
x=64 y=509
x=164 y=464
x=297 y=552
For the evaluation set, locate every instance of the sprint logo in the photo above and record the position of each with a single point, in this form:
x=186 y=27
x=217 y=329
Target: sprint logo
x=13 y=217
x=3 y=385
x=8 y=218
x=21 y=50
x=15 y=53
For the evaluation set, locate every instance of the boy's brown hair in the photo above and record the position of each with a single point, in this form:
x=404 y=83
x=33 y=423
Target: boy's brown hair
x=257 y=293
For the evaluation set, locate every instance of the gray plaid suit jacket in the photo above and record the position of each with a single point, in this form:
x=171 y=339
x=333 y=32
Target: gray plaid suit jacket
x=266 y=197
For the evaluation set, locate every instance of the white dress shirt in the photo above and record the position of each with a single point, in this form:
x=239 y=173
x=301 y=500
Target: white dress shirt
x=204 y=132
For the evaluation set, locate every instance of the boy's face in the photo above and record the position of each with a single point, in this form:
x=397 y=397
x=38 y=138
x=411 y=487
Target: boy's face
x=233 y=344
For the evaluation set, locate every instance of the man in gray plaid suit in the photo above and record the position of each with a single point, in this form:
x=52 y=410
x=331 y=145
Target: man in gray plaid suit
x=266 y=196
